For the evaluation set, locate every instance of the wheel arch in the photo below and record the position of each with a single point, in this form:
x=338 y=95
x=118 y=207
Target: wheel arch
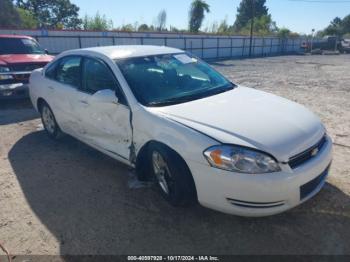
x=142 y=167
x=39 y=103
x=141 y=159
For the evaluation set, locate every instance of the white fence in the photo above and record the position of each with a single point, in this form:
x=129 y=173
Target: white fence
x=204 y=46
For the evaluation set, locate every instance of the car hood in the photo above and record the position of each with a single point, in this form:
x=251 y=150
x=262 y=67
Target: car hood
x=252 y=118
x=19 y=59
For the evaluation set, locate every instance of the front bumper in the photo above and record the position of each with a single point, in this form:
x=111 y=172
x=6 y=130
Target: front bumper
x=14 y=91
x=261 y=195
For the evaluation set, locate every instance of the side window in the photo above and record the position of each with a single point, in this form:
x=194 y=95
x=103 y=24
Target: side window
x=97 y=76
x=68 y=71
x=51 y=71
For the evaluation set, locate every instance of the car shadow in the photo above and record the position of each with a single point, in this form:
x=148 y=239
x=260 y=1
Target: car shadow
x=84 y=200
x=14 y=111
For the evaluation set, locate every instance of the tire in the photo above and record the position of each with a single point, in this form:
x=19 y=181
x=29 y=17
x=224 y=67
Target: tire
x=173 y=178
x=49 y=121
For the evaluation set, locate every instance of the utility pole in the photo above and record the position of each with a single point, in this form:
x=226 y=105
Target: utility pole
x=312 y=40
x=251 y=26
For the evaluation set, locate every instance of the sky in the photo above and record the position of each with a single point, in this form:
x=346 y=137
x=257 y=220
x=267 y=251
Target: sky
x=299 y=16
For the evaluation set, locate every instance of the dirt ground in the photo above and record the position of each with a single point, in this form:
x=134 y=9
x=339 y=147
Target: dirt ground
x=66 y=198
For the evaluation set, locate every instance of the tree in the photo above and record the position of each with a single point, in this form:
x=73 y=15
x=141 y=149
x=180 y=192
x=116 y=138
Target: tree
x=161 y=20
x=332 y=30
x=98 y=23
x=338 y=27
x=53 y=13
x=8 y=14
x=28 y=21
x=212 y=28
x=346 y=25
x=283 y=32
x=263 y=25
x=197 y=14
x=127 y=28
x=336 y=22
x=247 y=10
x=224 y=28
x=335 y=27
x=143 y=28
x=175 y=29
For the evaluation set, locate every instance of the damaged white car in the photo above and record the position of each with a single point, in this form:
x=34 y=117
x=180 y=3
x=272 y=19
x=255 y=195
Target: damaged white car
x=176 y=120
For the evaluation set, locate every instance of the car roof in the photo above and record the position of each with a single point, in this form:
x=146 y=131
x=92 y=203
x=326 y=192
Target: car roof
x=128 y=51
x=16 y=36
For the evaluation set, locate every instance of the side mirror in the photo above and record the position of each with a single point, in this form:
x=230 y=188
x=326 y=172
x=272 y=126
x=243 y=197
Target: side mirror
x=105 y=96
x=46 y=51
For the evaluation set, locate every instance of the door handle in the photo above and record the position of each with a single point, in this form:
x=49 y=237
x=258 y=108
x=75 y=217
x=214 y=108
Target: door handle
x=50 y=87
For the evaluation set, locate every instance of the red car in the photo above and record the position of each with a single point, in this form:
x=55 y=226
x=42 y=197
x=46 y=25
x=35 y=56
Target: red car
x=19 y=56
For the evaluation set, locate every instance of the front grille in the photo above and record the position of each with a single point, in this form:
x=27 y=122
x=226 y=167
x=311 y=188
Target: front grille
x=260 y=205
x=26 y=67
x=23 y=78
x=307 y=189
x=305 y=156
x=21 y=72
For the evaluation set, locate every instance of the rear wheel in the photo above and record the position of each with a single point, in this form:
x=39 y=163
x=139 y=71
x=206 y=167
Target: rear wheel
x=173 y=178
x=49 y=121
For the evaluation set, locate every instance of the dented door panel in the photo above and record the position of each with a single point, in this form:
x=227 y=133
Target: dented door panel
x=106 y=126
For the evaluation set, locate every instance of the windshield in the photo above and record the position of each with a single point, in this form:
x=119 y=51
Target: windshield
x=169 y=79
x=19 y=46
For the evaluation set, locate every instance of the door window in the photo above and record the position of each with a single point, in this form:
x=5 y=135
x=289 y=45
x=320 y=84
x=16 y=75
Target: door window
x=97 y=76
x=51 y=71
x=68 y=71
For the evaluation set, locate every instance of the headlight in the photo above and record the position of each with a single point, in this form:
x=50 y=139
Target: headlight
x=4 y=69
x=241 y=160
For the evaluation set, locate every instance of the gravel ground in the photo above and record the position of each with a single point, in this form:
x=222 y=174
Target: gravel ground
x=66 y=198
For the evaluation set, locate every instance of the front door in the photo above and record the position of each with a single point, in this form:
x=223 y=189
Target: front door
x=105 y=125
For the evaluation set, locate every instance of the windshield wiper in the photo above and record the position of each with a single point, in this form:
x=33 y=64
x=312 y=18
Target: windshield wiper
x=180 y=100
x=222 y=89
x=173 y=101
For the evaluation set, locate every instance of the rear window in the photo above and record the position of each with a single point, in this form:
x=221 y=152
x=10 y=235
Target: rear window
x=19 y=46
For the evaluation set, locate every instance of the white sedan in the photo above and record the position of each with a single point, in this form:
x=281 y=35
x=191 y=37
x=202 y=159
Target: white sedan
x=179 y=122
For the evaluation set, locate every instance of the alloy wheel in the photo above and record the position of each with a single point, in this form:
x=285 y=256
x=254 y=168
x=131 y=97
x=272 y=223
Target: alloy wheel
x=48 y=120
x=161 y=171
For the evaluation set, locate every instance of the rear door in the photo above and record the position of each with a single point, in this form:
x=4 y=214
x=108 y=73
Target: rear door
x=106 y=126
x=63 y=81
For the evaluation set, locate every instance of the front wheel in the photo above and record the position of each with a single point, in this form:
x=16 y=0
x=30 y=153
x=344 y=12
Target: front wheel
x=49 y=121
x=174 y=179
